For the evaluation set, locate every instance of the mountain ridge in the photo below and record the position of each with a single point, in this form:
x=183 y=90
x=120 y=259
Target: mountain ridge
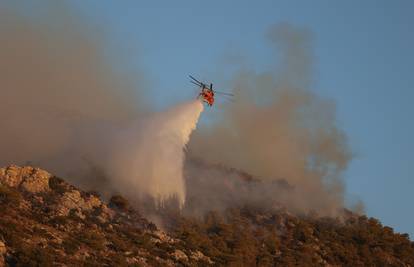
x=46 y=221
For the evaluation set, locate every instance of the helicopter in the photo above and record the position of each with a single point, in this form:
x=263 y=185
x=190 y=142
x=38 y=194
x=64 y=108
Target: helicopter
x=207 y=93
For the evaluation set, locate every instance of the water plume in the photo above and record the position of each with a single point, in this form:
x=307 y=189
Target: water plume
x=147 y=158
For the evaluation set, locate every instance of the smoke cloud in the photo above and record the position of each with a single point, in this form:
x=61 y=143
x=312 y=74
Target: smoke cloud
x=277 y=129
x=59 y=96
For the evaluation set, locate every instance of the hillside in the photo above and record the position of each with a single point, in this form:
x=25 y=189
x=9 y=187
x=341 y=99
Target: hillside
x=45 y=221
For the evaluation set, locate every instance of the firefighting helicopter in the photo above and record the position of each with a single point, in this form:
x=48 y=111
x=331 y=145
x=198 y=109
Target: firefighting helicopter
x=207 y=93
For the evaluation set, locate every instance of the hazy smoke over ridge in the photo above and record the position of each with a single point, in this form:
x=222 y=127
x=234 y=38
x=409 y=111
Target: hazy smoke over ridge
x=58 y=94
x=278 y=129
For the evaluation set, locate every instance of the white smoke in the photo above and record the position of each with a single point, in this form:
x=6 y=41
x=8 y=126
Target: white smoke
x=146 y=159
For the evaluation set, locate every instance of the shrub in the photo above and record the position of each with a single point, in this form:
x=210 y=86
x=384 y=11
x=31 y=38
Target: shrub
x=57 y=184
x=32 y=256
x=9 y=195
x=119 y=202
x=71 y=245
x=94 y=240
x=58 y=220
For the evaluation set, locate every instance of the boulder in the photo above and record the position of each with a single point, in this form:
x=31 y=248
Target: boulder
x=179 y=255
x=199 y=256
x=3 y=248
x=37 y=181
x=70 y=200
x=91 y=202
x=3 y=251
x=74 y=200
x=162 y=237
x=11 y=176
x=107 y=214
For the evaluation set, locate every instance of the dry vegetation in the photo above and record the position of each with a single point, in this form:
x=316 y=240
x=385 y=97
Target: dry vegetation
x=63 y=226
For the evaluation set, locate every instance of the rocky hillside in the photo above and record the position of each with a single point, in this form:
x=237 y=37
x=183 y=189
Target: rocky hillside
x=47 y=222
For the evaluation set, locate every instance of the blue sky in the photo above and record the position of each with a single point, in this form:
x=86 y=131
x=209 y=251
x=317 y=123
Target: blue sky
x=363 y=61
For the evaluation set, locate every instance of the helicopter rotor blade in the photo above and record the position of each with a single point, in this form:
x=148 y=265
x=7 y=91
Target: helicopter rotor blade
x=228 y=98
x=199 y=85
x=222 y=93
x=194 y=79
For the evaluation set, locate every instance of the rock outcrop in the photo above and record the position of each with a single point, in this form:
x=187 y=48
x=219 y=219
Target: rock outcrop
x=33 y=180
x=73 y=200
